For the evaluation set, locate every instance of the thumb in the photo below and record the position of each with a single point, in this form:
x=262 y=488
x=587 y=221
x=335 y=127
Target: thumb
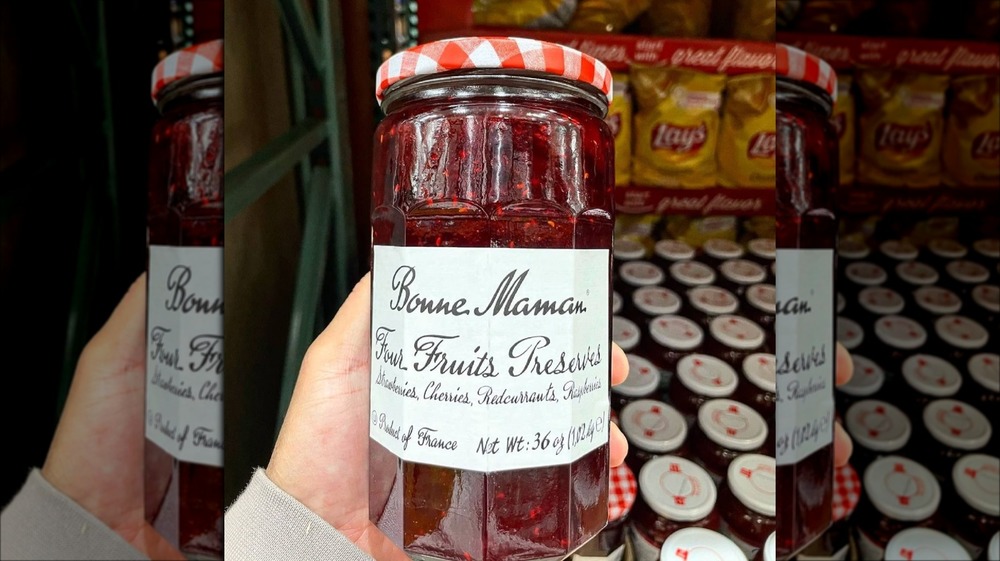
x=120 y=343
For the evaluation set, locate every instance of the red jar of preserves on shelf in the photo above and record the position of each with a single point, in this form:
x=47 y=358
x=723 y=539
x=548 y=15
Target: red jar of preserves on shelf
x=674 y=494
x=671 y=337
x=933 y=302
x=835 y=543
x=806 y=229
x=738 y=274
x=715 y=251
x=874 y=302
x=746 y=501
x=649 y=302
x=761 y=250
x=699 y=378
x=652 y=429
x=668 y=252
x=898 y=494
x=963 y=274
x=983 y=387
x=925 y=378
x=633 y=275
x=756 y=387
x=940 y=251
x=988 y=248
x=627 y=249
x=733 y=338
x=891 y=252
x=760 y=309
x=688 y=274
x=961 y=336
x=916 y=273
x=609 y=544
x=708 y=302
x=492 y=221
x=973 y=510
x=877 y=429
x=726 y=429
x=866 y=382
x=643 y=382
x=183 y=456
x=955 y=429
x=986 y=298
x=768 y=552
x=850 y=334
x=699 y=544
x=626 y=333
x=924 y=544
x=900 y=335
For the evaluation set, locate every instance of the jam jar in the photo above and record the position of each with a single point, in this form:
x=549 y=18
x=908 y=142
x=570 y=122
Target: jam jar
x=609 y=544
x=636 y=274
x=668 y=252
x=807 y=169
x=761 y=250
x=674 y=493
x=866 y=382
x=616 y=302
x=850 y=334
x=877 y=301
x=756 y=388
x=708 y=302
x=898 y=494
x=988 y=248
x=861 y=274
x=835 y=543
x=941 y=251
x=850 y=250
x=961 y=337
x=737 y=274
x=877 y=429
x=627 y=249
x=993 y=550
x=901 y=335
x=973 y=510
x=671 y=337
x=689 y=274
x=925 y=378
x=915 y=274
x=652 y=429
x=767 y=553
x=649 y=302
x=699 y=378
x=716 y=250
x=643 y=382
x=983 y=387
x=746 y=501
x=962 y=275
x=933 y=302
x=955 y=428
x=733 y=338
x=184 y=483
x=892 y=252
x=492 y=224
x=987 y=300
x=725 y=430
x=760 y=309
x=699 y=544
x=625 y=333
x=924 y=544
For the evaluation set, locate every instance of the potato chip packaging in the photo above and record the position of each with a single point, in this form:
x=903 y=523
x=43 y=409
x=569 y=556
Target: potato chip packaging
x=843 y=122
x=676 y=126
x=745 y=152
x=607 y=16
x=620 y=120
x=754 y=20
x=540 y=14
x=830 y=16
x=901 y=128
x=678 y=18
x=971 y=151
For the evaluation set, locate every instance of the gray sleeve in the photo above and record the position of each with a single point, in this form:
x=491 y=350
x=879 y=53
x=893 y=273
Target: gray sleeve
x=267 y=523
x=43 y=523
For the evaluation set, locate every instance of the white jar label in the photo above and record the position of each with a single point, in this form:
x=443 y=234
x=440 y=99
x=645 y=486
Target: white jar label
x=184 y=352
x=805 y=357
x=490 y=359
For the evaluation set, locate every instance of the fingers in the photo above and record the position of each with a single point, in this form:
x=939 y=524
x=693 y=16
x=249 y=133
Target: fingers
x=619 y=365
x=842 y=446
x=845 y=366
x=618 y=446
x=122 y=338
x=343 y=347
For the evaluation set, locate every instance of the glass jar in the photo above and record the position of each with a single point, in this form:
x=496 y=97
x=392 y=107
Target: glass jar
x=925 y=378
x=877 y=429
x=668 y=252
x=963 y=274
x=767 y=553
x=627 y=249
x=609 y=544
x=737 y=274
x=184 y=483
x=616 y=303
x=898 y=494
x=993 y=551
x=835 y=543
x=983 y=388
x=951 y=429
x=693 y=544
x=733 y=338
x=916 y=544
x=699 y=378
x=726 y=429
x=973 y=510
x=866 y=382
x=877 y=301
x=643 y=382
x=942 y=250
x=916 y=274
x=746 y=501
x=892 y=252
x=760 y=309
x=689 y=274
x=716 y=250
x=652 y=429
x=900 y=335
x=625 y=333
x=761 y=250
x=649 y=302
x=756 y=388
x=672 y=337
x=861 y=274
x=987 y=300
x=637 y=274
x=806 y=226
x=960 y=337
x=850 y=334
x=674 y=493
x=850 y=250
x=492 y=224
x=988 y=248
x=934 y=301
x=708 y=302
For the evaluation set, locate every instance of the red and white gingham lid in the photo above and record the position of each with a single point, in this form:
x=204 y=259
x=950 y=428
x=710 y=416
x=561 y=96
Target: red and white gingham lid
x=493 y=52
x=799 y=65
x=203 y=58
x=622 y=490
x=846 y=491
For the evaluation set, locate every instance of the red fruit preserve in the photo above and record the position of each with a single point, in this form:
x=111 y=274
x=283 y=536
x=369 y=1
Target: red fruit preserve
x=492 y=221
x=183 y=457
x=807 y=174
x=609 y=544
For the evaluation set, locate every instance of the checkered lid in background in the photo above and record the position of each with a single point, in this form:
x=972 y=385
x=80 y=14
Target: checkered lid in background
x=203 y=58
x=799 y=65
x=846 y=492
x=493 y=52
x=622 y=489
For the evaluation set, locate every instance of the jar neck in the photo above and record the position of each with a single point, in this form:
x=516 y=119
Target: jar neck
x=204 y=87
x=499 y=85
x=795 y=91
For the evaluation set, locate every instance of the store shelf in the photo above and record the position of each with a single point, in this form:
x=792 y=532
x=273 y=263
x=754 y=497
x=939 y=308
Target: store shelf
x=846 y=52
x=881 y=199
x=636 y=199
x=618 y=51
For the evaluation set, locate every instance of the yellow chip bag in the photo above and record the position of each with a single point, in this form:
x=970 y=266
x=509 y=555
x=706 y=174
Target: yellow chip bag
x=676 y=126
x=843 y=123
x=754 y=20
x=971 y=152
x=678 y=18
x=523 y=13
x=620 y=120
x=747 y=136
x=609 y=16
x=901 y=128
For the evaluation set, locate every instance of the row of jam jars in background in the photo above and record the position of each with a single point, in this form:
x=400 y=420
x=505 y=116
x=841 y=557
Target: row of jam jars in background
x=835 y=543
x=610 y=543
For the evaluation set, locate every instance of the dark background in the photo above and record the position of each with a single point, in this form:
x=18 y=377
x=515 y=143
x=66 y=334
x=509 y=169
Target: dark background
x=75 y=118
